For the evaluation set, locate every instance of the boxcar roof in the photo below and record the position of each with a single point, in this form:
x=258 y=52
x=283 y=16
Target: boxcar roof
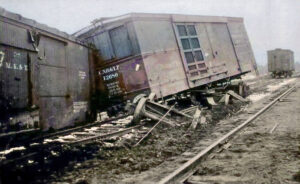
x=279 y=49
x=150 y=16
x=32 y=23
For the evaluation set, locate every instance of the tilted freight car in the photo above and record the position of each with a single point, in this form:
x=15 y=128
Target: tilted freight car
x=44 y=75
x=281 y=62
x=167 y=53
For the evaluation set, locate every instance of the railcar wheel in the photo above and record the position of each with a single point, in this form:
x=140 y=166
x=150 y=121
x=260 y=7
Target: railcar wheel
x=139 y=110
x=138 y=97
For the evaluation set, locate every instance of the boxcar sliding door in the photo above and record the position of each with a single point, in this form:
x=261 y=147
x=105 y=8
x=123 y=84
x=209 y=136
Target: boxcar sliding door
x=52 y=85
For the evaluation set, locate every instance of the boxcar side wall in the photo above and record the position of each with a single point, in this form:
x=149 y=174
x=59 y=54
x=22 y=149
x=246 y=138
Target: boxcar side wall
x=207 y=53
x=14 y=90
x=14 y=71
x=161 y=57
x=123 y=79
x=44 y=74
x=63 y=83
x=176 y=61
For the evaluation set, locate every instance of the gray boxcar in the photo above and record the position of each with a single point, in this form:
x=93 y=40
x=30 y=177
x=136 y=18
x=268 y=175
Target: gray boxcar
x=281 y=62
x=44 y=75
x=167 y=53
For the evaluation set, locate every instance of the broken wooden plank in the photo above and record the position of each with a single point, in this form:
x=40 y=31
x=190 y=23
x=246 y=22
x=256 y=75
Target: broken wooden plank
x=190 y=109
x=195 y=119
x=233 y=94
x=211 y=101
x=174 y=110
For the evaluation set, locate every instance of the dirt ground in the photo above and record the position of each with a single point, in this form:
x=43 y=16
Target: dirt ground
x=268 y=151
x=128 y=165
x=114 y=164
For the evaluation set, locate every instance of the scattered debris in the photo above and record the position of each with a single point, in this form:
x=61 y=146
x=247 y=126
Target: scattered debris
x=54 y=153
x=102 y=116
x=91 y=129
x=256 y=97
x=275 y=87
x=161 y=119
x=67 y=137
x=233 y=94
x=5 y=152
x=196 y=119
x=34 y=144
x=48 y=141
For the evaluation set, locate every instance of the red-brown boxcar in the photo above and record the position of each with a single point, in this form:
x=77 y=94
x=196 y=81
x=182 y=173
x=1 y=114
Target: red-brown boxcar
x=167 y=53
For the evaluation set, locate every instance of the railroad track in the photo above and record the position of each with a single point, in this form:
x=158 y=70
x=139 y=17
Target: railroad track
x=100 y=132
x=36 y=135
x=92 y=134
x=182 y=173
x=55 y=153
x=103 y=131
x=260 y=83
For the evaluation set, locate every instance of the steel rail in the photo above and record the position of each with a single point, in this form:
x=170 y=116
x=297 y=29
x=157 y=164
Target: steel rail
x=44 y=135
x=189 y=167
x=19 y=132
x=102 y=136
x=83 y=141
x=68 y=130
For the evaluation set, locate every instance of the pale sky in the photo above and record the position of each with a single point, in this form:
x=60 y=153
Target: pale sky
x=270 y=23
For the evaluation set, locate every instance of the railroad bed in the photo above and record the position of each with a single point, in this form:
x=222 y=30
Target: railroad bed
x=178 y=169
x=107 y=131
x=109 y=135
x=267 y=151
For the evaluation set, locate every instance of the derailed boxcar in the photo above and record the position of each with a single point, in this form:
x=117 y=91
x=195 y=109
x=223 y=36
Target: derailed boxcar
x=167 y=53
x=281 y=62
x=45 y=75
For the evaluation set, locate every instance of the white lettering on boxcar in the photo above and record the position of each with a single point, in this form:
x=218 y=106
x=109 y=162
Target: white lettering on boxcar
x=1 y=58
x=110 y=76
x=109 y=73
x=109 y=70
x=113 y=88
x=81 y=74
x=13 y=66
x=8 y=66
x=80 y=106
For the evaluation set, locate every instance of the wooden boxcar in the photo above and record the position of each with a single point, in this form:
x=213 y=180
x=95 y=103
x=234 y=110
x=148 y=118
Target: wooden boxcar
x=167 y=53
x=44 y=75
x=281 y=62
